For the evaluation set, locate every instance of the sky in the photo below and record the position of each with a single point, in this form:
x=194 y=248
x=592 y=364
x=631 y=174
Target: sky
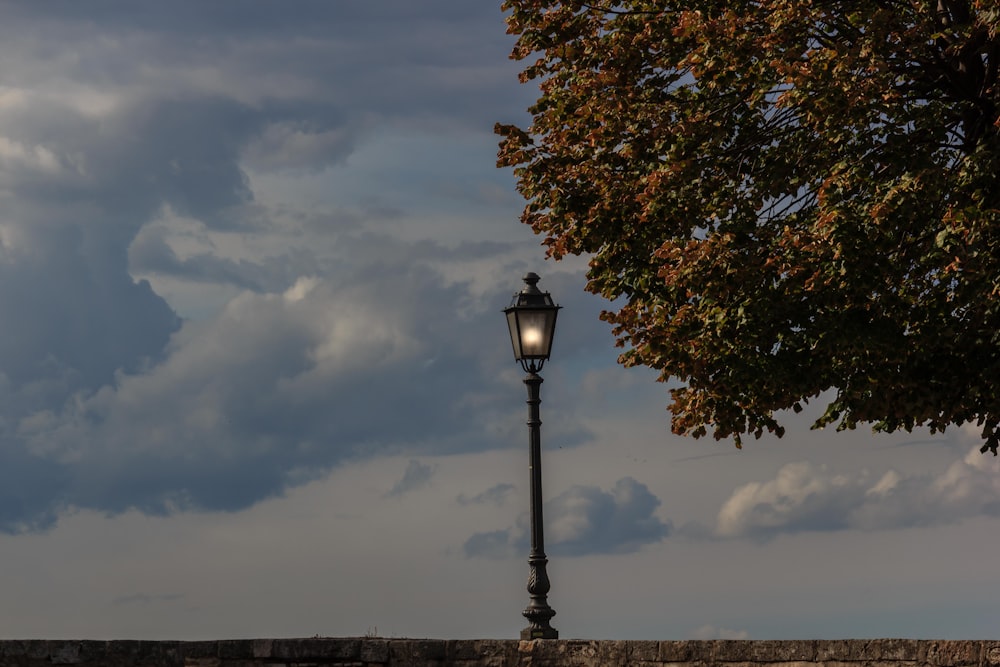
x=255 y=379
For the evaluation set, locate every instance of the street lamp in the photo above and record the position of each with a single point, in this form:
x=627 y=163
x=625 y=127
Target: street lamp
x=531 y=318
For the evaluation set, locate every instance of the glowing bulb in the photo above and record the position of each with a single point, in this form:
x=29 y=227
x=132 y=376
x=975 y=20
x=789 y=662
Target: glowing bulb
x=531 y=337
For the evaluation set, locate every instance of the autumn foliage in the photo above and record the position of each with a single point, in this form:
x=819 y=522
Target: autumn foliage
x=788 y=197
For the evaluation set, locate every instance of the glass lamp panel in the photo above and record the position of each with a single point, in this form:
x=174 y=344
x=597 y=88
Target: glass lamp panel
x=536 y=332
x=515 y=334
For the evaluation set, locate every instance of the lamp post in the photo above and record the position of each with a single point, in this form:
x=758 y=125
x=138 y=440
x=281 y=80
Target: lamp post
x=531 y=318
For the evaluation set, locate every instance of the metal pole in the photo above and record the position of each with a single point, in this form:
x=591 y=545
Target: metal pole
x=538 y=611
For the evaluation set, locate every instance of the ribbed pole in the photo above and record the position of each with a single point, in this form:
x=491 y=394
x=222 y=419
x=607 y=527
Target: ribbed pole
x=538 y=612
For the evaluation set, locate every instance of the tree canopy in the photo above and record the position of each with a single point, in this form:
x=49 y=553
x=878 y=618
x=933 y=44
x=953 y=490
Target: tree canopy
x=784 y=198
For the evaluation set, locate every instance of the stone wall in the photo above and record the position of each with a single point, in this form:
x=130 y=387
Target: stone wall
x=377 y=652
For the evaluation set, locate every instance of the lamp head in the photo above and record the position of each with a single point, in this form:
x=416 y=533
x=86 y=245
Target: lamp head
x=531 y=318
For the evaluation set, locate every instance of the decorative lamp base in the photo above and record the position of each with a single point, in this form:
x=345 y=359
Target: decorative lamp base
x=539 y=633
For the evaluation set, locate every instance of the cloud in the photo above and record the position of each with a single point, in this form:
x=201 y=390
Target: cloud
x=382 y=354
x=417 y=474
x=806 y=497
x=490 y=544
x=148 y=147
x=455 y=57
x=151 y=253
x=495 y=495
x=802 y=496
x=274 y=391
x=584 y=520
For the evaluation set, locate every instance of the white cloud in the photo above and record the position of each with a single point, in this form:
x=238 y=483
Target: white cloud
x=14 y=155
x=807 y=497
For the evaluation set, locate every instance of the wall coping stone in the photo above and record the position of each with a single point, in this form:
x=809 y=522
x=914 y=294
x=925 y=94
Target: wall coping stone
x=383 y=652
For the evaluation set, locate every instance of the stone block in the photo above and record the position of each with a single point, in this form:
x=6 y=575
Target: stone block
x=842 y=650
x=64 y=653
x=491 y=661
x=612 y=653
x=202 y=662
x=868 y=650
x=684 y=651
x=28 y=649
x=578 y=653
x=559 y=653
x=641 y=651
x=316 y=649
x=200 y=649
x=792 y=663
x=880 y=650
x=413 y=651
x=262 y=648
x=374 y=651
x=954 y=653
x=499 y=651
x=783 y=651
x=732 y=650
x=93 y=652
x=235 y=649
x=136 y=653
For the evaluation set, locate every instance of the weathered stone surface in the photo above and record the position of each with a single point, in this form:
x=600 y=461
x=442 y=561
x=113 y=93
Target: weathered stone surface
x=64 y=653
x=612 y=653
x=561 y=653
x=316 y=648
x=732 y=650
x=202 y=649
x=493 y=652
x=374 y=650
x=783 y=651
x=683 y=651
x=378 y=652
x=25 y=649
x=417 y=651
x=487 y=661
x=577 y=652
x=202 y=662
x=954 y=653
x=642 y=651
x=838 y=650
x=893 y=650
x=262 y=648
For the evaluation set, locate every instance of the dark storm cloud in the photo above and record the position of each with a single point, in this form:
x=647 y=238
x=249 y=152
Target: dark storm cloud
x=118 y=115
x=32 y=490
x=276 y=390
x=257 y=19
x=150 y=253
x=585 y=520
x=441 y=61
x=64 y=267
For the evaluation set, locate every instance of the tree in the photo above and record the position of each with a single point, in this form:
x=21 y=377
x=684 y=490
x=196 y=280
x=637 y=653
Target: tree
x=788 y=197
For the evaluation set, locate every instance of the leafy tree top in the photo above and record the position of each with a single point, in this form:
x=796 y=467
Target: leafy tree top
x=789 y=197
